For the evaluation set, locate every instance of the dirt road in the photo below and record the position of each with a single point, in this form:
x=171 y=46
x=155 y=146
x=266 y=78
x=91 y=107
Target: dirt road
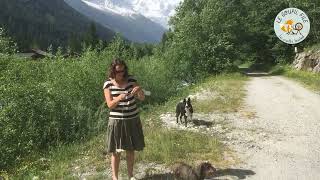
x=275 y=135
x=282 y=140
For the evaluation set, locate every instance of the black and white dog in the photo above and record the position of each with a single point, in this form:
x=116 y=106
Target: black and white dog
x=185 y=109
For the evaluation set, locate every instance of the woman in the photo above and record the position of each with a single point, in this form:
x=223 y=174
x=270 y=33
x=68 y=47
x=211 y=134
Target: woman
x=124 y=128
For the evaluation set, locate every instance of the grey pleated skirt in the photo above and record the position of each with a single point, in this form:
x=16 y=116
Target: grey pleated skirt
x=125 y=135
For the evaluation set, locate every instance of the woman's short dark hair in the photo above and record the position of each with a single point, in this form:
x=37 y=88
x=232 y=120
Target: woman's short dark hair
x=112 y=68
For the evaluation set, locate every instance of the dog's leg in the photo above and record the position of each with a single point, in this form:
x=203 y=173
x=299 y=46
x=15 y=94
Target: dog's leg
x=185 y=120
x=177 y=116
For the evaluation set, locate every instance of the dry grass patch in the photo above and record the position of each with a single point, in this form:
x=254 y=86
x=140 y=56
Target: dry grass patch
x=220 y=94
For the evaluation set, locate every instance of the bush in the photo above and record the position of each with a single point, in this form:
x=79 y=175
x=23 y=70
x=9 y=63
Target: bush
x=156 y=76
x=7 y=46
x=58 y=100
x=49 y=102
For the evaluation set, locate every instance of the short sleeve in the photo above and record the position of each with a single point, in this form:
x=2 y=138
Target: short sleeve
x=107 y=84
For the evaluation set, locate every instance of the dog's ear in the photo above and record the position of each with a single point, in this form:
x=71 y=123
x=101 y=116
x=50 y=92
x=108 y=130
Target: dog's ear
x=184 y=100
x=189 y=99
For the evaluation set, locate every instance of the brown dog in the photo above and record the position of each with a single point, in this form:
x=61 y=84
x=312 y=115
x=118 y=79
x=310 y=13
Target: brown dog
x=183 y=171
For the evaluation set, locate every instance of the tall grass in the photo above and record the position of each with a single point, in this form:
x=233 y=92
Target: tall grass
x=314 y=47
x=163 y=145
x=309 y=79
x=168 y=146
x=57 y=100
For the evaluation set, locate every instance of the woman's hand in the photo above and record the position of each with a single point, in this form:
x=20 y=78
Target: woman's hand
x=136 y=90
x=122 y=97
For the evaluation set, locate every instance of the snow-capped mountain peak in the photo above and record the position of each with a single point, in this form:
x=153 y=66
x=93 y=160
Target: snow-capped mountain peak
x=158 y=11
x=109 y=6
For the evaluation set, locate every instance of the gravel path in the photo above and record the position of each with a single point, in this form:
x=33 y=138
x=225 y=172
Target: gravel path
x=285 y=131
x=276 y=134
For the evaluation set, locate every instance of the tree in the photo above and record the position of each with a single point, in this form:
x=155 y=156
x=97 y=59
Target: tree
x=117 y=47
x=7 y=46
x=210 y=36
x=74 y=43
x=91 y=37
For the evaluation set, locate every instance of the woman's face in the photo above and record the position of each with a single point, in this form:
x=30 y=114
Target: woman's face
x=119 y=72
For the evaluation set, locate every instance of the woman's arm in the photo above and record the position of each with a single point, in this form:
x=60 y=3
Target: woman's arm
x=112 y=102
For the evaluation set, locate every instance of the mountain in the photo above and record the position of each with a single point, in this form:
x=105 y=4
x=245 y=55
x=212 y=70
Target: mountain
x=158 y=11
x=39 y=23
x=128 y=17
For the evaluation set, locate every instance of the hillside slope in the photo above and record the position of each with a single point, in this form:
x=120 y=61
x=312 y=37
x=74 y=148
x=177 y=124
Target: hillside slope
x=37 y=23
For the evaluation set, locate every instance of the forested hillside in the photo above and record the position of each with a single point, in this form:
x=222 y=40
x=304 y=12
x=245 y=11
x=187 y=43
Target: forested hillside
x=212 y=36
x=38 y=24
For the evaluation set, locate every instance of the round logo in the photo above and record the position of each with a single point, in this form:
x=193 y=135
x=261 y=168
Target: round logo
x=292 y=25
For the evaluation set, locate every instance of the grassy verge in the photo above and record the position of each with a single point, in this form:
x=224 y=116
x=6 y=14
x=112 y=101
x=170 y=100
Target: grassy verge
x=313 y=47
x=162 y=145
x=221 y=93
x=308 y=79
x=245 y=65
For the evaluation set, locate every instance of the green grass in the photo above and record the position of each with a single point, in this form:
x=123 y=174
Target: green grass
x=162 y=145
x=245 y=65
x=227 y=93
x=313 y=47
x=62 y=162
x=168 y=146
x=308 y=79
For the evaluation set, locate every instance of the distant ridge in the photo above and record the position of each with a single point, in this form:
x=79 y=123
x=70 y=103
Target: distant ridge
x=133 y=26
x=39 y=23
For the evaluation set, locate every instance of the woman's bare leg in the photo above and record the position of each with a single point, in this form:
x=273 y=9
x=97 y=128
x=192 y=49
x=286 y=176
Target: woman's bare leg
x=130 y=162
x=115 y=160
